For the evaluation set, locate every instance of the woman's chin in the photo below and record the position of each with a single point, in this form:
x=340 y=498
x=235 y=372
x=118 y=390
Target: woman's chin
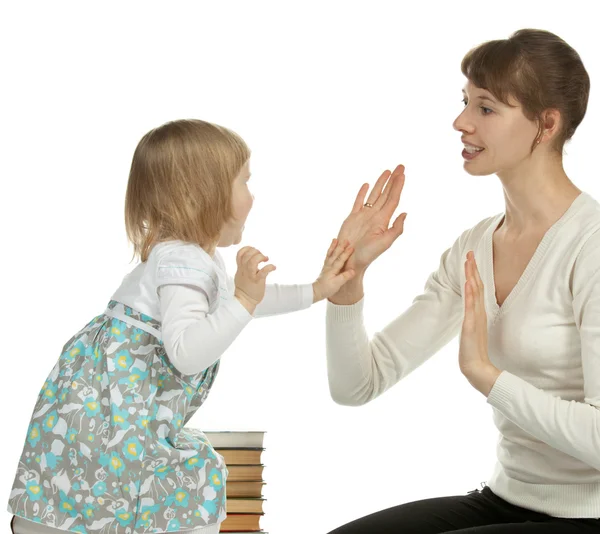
x=474 y=171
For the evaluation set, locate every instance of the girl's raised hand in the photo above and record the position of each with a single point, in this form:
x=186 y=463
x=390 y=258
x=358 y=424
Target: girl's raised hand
x=249 y=280
x=333 y=275
x=366 y=228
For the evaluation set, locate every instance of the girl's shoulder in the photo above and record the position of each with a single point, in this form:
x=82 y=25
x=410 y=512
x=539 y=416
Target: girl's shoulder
x=179 y=262
x=179 y=250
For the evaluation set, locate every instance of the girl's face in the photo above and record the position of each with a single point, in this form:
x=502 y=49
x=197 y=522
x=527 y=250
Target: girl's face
x=241 y=201
x=503 y=132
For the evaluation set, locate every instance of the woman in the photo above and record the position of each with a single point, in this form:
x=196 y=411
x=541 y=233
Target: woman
x=522 y=288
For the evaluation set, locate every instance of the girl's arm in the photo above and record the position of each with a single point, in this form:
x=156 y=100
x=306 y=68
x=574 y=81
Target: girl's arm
x=281 y=298
x=193 y=338
x=286 y=298
x=189 y=287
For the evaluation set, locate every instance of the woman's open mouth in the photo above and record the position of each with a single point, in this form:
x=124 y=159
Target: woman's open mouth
x=470 y=152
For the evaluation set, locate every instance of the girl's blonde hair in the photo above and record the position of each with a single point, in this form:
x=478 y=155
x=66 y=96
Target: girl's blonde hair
x=180 y=184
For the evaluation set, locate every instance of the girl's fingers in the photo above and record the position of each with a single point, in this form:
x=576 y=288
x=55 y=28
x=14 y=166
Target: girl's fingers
x=240 y=254
x=341 y=259
x=348 y=275
x=244 y=254
x=332 y=247
x=340 y=249
x=254 y=259
x=266 y=270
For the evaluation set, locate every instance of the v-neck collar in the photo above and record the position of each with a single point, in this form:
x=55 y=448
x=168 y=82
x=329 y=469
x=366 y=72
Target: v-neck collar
x=494 y=310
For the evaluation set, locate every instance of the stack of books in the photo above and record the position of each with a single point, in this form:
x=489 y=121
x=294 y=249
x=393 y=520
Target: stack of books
x=242 y=451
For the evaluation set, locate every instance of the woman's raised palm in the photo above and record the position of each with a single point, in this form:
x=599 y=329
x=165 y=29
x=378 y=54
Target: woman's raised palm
x=367 y=228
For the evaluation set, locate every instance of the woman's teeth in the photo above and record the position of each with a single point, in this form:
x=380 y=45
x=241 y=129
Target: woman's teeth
x=472 y=149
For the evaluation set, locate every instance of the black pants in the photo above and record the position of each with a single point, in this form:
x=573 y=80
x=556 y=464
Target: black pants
x=478 y=512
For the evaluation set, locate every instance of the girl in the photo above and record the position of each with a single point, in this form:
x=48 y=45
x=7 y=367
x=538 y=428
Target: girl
x=107 y=449
x=525 y=284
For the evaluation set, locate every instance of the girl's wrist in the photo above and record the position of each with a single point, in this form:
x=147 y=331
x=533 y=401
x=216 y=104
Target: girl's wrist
x=316 y=292
x=245 y=302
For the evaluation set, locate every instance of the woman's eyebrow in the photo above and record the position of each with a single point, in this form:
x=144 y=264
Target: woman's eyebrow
x=482 y=97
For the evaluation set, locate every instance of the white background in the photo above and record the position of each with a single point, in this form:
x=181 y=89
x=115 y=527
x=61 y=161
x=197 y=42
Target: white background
x=327 y=95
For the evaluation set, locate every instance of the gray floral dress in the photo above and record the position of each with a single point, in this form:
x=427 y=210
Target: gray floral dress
x=106 y=450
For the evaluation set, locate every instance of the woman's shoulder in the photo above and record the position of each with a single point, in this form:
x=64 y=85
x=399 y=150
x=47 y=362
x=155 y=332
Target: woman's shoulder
x=585 y=222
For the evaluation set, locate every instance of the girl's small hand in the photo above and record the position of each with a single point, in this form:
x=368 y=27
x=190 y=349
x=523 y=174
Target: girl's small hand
x=334 y=274
x=249 y=280
x=473 y=357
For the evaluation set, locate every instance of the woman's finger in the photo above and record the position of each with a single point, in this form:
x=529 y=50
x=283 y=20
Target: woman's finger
x=390 y=203
x=397 y=229
x=360 y=198
x=477 y=277
x=468 y=320
x=377 y=188
x=389 y=185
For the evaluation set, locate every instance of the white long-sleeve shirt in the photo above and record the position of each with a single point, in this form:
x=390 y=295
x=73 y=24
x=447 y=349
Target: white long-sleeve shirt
x=545 y=338
x=190 y=293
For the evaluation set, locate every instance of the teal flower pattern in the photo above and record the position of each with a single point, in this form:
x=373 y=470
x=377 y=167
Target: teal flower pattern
x=34 y=434
x=50 y=421
x=91 y=406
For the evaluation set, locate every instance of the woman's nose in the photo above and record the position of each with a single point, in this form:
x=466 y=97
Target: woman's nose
x=462 y=124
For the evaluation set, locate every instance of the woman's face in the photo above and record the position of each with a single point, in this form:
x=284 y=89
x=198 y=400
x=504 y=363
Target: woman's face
x=241 y=202
x=503 y=132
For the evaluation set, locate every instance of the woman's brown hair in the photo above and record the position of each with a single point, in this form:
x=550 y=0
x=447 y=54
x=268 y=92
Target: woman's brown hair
x=180 y=184
x=540 y=71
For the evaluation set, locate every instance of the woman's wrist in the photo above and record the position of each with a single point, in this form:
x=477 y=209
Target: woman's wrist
x=351 y=292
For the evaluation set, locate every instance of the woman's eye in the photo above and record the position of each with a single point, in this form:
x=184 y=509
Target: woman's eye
x=486 y=111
